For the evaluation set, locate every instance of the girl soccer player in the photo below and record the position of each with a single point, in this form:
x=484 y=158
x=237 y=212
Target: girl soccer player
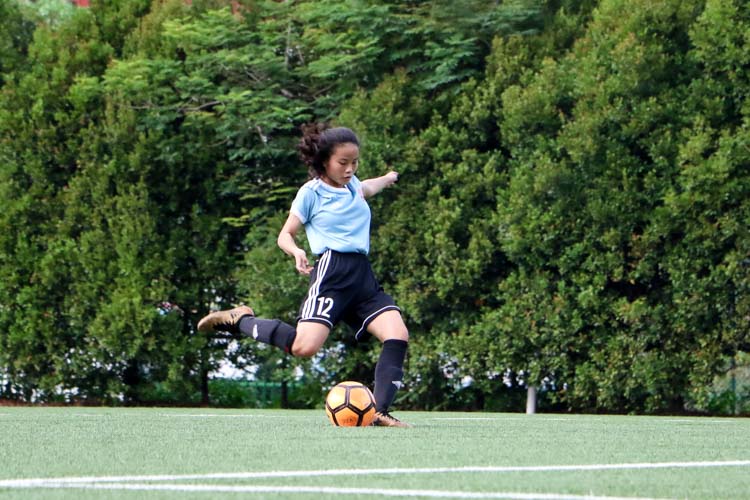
x=332 y=208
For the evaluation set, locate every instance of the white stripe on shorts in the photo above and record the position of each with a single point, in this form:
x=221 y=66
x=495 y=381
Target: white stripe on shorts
x=308 y=309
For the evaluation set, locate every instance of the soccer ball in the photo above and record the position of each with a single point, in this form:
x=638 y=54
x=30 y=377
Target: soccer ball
x=350 y=404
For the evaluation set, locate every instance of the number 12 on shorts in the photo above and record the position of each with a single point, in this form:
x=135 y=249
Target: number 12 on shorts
x=325 y=304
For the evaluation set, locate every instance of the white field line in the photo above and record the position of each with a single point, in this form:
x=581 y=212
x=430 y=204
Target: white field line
x=219 y=415
x=699 y=420
x=504 y=418
x=207 y=488
x=693 y=420
x=208 y=415
x=41 y=482
x=467 y=418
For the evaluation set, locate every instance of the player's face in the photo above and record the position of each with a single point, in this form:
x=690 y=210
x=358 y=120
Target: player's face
x=342 y=165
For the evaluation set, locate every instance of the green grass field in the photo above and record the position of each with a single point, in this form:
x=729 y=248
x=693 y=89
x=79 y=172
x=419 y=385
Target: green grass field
x=56 y=453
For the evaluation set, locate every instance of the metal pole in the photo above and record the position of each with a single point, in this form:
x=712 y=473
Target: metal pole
x=531 y=400
x=733 y=383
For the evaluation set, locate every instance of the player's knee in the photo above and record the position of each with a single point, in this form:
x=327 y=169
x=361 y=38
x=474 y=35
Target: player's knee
x=405 y=334
x=310 y=338
x=303 y=349
x=400 y=333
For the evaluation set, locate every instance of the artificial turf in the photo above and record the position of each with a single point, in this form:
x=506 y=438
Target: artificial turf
x=209 y=453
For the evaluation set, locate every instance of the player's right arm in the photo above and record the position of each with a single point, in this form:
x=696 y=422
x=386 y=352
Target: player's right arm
x=288 y=243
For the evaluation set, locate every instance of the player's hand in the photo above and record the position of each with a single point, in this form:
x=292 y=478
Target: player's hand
x=301 y=262
x=390 y=178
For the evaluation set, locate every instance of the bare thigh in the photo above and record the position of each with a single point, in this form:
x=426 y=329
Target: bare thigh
x=389 y=326
x=310 y=338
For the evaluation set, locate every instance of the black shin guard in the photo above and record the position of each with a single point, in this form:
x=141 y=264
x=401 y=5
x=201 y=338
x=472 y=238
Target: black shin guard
x=269 y=331
x=389 y=372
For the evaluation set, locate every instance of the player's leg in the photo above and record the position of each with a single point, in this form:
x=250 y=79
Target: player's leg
x=319 y=311
x=303 y=341
x=389 y=328
x=241 y=321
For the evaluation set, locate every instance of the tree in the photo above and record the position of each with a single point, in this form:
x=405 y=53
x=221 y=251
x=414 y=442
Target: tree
x=39 y=126
x=617 y=313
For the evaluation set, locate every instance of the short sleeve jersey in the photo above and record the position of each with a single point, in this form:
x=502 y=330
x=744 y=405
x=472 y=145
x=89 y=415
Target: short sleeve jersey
x=334 y=218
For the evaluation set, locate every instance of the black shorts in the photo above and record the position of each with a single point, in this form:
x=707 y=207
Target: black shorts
x=343 y=287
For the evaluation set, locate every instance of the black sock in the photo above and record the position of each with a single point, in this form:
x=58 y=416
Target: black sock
x=389 y=372
x=269 y=331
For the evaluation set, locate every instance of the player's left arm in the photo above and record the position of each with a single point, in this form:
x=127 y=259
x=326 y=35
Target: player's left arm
x=371 y=187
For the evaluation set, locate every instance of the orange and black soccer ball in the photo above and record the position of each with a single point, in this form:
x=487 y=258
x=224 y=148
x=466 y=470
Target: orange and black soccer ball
x=350 y=404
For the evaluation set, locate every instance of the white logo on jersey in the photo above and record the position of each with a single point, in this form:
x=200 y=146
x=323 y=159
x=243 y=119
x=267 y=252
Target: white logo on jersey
x=255 y=331
x=398 y=384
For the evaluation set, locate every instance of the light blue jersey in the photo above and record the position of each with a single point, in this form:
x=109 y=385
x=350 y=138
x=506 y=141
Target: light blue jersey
x=334 y=218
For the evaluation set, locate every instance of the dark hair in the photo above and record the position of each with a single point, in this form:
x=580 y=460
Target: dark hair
x=317 y=145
